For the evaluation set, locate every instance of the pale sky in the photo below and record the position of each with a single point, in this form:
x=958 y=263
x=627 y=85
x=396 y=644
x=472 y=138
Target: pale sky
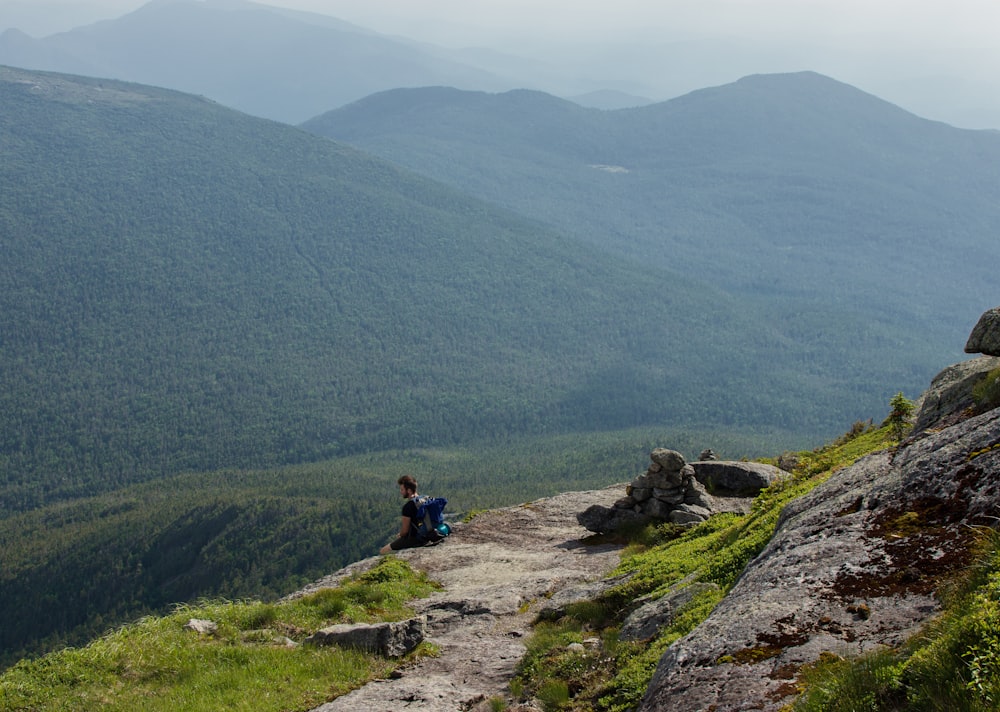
x=942 y=23
x=937 y=58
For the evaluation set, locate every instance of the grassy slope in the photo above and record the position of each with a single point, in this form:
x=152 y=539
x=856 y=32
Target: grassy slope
x=155 y=664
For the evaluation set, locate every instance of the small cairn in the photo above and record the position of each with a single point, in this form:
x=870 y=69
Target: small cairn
x=676 y=491
x=667 y=491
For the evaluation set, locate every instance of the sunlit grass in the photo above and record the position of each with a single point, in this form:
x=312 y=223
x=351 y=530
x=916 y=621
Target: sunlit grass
x=253 y=661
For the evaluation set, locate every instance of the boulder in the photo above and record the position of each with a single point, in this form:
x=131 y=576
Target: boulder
x=669 y=460
x=950 y=393
x=659 y=508
x=685 y=518
x=668 y=479
x=736 y=478
x=671 y=496
x=388 y=639
x=702 y=513
x=201 y=626
x=640 y=494
x=696 y=495
x=985 y=336
x=601 y=520
x=558 y=604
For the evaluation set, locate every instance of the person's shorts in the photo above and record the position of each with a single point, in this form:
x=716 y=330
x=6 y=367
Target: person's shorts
x=405 y=542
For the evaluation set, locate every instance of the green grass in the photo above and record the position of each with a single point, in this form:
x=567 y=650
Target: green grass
x=612 y=677
x=156 y=664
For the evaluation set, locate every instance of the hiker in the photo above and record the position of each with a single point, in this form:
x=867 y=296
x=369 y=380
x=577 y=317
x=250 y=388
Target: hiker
x=408 y=528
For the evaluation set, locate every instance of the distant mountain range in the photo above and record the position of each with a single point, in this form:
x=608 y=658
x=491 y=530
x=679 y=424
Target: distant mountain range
x=186 y=287
x=794 y=189
x=291 y=66
x=270 y=62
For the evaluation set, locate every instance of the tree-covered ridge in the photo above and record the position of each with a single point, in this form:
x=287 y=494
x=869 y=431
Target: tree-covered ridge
x=188 y=288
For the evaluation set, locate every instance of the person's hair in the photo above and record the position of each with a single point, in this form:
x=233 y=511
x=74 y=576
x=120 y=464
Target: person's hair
x=408 y=482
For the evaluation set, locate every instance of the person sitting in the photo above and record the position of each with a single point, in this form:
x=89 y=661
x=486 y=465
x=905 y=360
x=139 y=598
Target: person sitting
x=408 y=527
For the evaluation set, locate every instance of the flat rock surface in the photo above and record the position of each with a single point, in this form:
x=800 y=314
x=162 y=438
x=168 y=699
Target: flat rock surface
x=497 y=570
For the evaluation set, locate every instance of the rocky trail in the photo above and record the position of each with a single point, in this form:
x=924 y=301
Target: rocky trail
x=497 y=571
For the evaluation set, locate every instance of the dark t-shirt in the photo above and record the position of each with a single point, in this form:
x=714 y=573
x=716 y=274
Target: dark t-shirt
x=410 y=510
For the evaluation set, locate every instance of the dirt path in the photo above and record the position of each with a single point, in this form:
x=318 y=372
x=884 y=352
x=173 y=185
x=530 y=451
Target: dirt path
x=496 y=570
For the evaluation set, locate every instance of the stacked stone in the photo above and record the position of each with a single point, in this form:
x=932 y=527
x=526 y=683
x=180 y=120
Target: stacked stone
x=675 y=491
x=668 y=490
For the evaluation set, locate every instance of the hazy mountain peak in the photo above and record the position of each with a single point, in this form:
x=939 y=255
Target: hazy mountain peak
x=275 y=63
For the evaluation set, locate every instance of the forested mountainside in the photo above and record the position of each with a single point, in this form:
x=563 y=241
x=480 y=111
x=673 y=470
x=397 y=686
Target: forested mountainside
x=187 y=288
x=817 y=198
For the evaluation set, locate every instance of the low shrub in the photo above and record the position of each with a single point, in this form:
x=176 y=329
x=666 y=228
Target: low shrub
x=986 y=393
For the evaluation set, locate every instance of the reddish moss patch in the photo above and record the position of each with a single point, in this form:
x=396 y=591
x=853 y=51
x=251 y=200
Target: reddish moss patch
x=919 y=563
x=785 y=672
x=749 y=656
x=771 y=646
x=788 y=689
x=860 y=611
x=924 y=544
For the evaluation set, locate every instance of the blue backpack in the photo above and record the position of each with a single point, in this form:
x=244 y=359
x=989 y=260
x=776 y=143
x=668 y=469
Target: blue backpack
x=431 y=526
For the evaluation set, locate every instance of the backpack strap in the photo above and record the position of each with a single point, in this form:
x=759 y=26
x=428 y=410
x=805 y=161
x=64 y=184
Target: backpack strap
x=419 y=521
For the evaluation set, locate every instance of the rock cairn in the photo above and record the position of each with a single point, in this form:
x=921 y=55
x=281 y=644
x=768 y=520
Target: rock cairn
x=666 y=491
x=674 y=490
